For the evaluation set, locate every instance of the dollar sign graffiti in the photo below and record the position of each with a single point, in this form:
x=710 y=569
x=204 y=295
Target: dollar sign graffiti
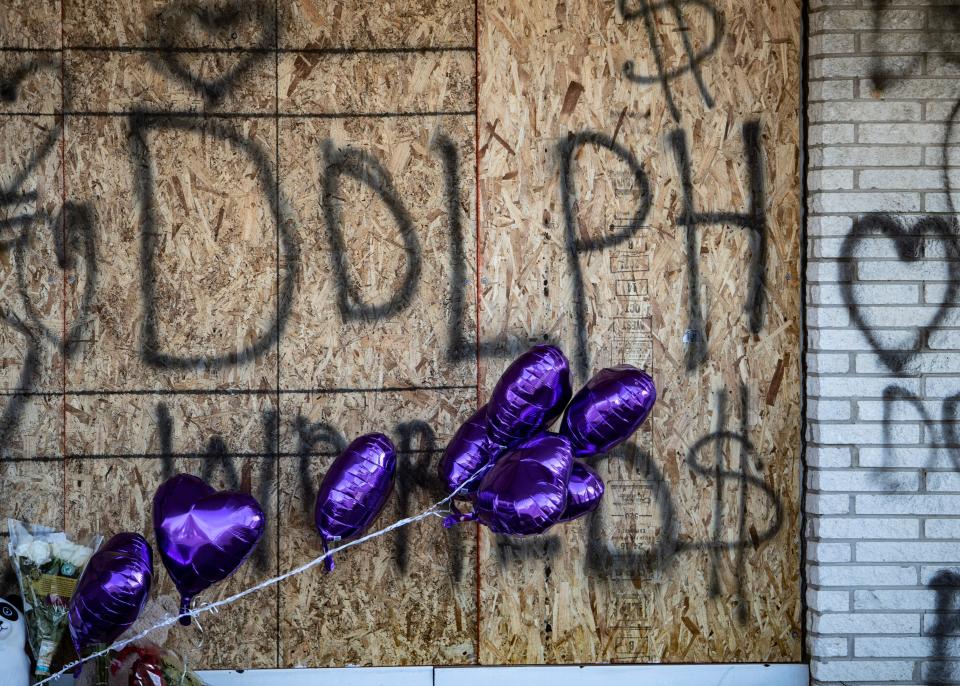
x=745 y=480
x=648 y=13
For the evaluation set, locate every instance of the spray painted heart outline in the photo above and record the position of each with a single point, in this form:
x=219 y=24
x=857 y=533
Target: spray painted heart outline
x=909 y=242
x=174 y=19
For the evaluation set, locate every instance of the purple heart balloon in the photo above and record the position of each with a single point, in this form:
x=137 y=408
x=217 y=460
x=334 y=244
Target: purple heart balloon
x=529 y=396
x=525 y=492
x=203 y=535
x=584 y=491
x=607 y=411
x=112 y=591
x=466 y=454
x=355 y=489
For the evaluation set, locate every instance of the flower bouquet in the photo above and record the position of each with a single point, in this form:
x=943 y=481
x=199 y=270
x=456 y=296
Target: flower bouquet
x=48 y=567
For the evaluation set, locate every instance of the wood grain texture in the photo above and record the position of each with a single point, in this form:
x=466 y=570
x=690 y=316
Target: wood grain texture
x=635 y=582
x=239 y=316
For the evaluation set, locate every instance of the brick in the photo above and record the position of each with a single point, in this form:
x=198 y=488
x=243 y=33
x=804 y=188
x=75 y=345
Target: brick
x=893 y=457
x=866 y=434
x=823 y=271
x=907 y=552
x=835 y=317
x=899 y=599
x=944 y=339
x=898 y=133
x=828 y=601
x=928 y=573
x=842 y=339
x=866 y=528
x=913 y=88
x=865 y=111
x=828 y=457
x=862 y=20
x=866 y=623
x=936 y=293
x=827 y=504
x=863 y=575
x=893 y=201
x=901 y=646
x=939 y=111
x=878 y=670
x=941 y=624
x=874 y=410
x=933 y=270
x=858 y=480
x=942 y=528
x=864 y=387
x=935 y=202
x=943 y=481
x=837 y=89
x=867 y=156
x=831 y=134
x=828 y=647
x=818 y=551
x=940 y=671
x=837 y=225
x=927 y=363
x=941 y=386
x=906 y=179
x=933 y=155
x=907 y=504
x=895 y=42
x=832 y=43
x=821 y=363
x=867 y=294
x=830 y=180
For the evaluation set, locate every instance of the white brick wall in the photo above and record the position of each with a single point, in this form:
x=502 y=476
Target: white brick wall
x=883 y=497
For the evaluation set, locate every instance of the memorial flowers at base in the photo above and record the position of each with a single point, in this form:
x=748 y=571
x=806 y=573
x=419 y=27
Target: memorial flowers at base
x=48 y=566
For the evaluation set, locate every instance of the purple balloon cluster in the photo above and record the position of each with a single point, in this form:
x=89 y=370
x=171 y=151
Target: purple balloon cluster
x=523 y=479
x=204 y=535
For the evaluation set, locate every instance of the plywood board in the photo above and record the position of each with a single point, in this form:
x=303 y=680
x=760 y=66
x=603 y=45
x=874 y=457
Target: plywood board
x=583 y=241
x=238 y=234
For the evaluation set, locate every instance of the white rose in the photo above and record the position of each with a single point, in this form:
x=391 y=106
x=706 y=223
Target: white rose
x=80 y=555
x=36 y=551
x=75 y=554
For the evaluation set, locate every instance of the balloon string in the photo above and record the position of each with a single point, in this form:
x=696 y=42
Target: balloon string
x=212 y=607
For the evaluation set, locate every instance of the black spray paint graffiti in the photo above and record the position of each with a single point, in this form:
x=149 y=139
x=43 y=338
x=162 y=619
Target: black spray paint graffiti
x=945 y=438
x=753 y=221
x=417 y=463
x=575 y=244
x=152 y=351
x=647 y=12
x=944 y=20
x=945 y=627
x=366 y=169
x=603 y=557
x=911 y=247
x=416 y=471
x=24 y=228
x=223 y=21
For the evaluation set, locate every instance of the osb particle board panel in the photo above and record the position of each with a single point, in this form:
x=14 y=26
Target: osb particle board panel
x=270 y=246
x=694 y=554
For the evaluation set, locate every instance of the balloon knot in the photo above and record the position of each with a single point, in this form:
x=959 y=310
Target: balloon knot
x=184 y=608
x=456 y=517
